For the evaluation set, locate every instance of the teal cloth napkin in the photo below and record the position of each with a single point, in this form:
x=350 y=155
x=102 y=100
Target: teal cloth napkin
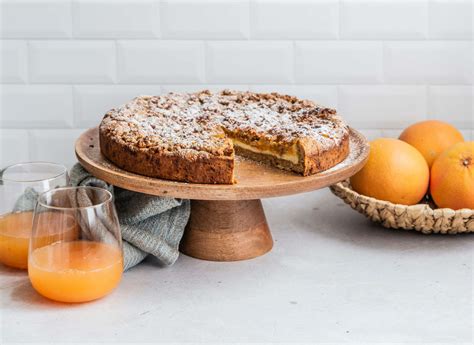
x=150 y=225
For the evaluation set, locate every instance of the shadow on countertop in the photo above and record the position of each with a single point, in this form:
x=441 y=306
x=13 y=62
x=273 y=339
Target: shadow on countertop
x=321 y=214
x=355 y=228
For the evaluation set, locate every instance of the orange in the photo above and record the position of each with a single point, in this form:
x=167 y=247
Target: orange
x=452 y=177
x=431 y=138
x=395 y=172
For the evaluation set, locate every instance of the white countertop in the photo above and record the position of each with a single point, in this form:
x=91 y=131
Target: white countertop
x=332 y=276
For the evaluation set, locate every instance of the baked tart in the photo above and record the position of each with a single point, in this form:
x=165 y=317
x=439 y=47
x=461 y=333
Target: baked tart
x=194 y=137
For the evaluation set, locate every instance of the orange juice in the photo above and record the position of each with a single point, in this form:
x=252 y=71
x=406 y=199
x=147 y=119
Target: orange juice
x=77 y=271
x=15 y=233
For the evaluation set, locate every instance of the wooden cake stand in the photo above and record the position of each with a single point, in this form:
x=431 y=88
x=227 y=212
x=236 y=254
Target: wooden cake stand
x=227 y=221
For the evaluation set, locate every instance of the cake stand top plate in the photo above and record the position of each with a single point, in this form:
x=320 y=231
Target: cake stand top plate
x=254 y=180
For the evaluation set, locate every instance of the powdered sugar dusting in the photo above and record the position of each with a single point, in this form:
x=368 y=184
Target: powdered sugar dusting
x=198 y=121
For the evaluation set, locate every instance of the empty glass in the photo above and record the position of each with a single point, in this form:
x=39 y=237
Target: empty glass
x=20 y=185
x=76 y=246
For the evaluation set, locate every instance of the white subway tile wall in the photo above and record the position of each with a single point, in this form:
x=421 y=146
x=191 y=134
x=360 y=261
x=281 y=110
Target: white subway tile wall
x=160 y=61
x=451 y=19
x=335 y=62
x=244 y=62
x=191 y=19
x=111 y=19
x=73 y=61
x=382 y=106
x=451 y=102
x=436 y=62
x=297 y=19
x=369 y=19
x=35 y=19
x=36 y=106
x=382 y=63
x=13 y=61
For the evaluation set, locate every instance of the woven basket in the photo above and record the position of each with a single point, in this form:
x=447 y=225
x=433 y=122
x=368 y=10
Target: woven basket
x=419 y=217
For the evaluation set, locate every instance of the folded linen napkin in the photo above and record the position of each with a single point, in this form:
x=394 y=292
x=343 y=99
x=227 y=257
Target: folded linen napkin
x=149 y=224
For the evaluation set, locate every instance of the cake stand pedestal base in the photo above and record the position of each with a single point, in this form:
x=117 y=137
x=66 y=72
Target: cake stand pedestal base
x=226 y=230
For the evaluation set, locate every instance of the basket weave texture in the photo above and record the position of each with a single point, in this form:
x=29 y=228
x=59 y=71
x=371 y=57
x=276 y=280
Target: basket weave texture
x=419 y=217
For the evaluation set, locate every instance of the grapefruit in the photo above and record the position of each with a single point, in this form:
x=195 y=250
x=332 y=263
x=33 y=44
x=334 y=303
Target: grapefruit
x=395 y=172
x=452 y=177
x=431 y=138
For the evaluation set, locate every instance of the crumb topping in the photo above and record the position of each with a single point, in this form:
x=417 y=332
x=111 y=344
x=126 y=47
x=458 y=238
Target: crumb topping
x=199 y=121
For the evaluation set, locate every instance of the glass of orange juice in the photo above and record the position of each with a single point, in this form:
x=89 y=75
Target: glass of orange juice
x=20 y=185
x=85 y=262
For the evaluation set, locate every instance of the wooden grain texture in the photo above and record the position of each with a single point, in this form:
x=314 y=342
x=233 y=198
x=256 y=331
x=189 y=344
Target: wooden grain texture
x=255 y=180
x=226 y=230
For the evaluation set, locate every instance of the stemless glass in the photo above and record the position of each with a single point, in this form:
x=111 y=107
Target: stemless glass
x=20 y=185
x=85 y=262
